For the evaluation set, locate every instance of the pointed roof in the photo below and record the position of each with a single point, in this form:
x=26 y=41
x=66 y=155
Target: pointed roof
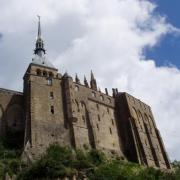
x=92 y=76
x=39 y=51
x=86 y=82
x=77 y=79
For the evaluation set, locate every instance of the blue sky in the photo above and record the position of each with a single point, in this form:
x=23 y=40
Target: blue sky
x=167 y=52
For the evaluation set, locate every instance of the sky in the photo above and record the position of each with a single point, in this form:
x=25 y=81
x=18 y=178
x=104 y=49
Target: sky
x=132 y=45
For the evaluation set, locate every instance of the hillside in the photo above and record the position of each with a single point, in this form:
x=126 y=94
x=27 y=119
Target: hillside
x=60 y=162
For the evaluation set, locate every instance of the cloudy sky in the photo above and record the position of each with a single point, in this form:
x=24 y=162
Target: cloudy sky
x=130 y=44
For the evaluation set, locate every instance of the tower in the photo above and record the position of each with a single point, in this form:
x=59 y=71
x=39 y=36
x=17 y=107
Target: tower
x=44 y=104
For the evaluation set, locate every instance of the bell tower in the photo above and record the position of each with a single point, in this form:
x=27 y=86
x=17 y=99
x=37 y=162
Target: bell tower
x=44 y=103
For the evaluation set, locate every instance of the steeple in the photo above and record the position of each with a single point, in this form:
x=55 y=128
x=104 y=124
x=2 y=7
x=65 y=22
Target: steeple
x=93 y=82
x=39 y=50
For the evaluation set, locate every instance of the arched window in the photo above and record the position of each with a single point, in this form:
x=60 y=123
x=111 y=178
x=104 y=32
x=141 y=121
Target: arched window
x=51 y=74
x=38 y=72
x=44 y=73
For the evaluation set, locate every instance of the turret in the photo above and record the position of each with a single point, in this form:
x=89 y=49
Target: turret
x=86 y=82
x=93 y=82
x=77 y=79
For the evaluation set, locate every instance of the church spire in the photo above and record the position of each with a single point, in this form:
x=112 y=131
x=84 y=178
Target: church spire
x=39 y=50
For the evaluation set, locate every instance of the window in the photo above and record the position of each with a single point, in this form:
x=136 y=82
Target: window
x=51 y=74
x=44 y=73
x=112 y=122
x=99 y=118
x=93 y=94
x=83 y=118
x=38 y=72
x=108 y=110
x=110 y=130
x=51 y=95
x=97 y=126
x=97 y=105
x=109 y=100
x=52 y=109
x=49 y=81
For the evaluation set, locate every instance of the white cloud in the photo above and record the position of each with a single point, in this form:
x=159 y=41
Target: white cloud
x=113 y=36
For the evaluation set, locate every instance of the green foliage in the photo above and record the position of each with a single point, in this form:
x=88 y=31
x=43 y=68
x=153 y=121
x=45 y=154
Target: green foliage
x=176 y=166
x=59 y=162
x=9 y=159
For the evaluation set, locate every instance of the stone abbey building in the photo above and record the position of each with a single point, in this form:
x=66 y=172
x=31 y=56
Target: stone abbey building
x=53 y=108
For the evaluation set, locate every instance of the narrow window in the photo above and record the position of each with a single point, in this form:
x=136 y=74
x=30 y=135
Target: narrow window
x=110 y=130
x=97 y=126
x=108 y=110
x=38 y=72
x=51 y=95
x=52 y=109
x=97 y=105
x=49 y=81
x=83 y=119
x=44 y=73
x=112 y=122
x=99 y=118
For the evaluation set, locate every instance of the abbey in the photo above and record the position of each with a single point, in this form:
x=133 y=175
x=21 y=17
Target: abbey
x=54 y=108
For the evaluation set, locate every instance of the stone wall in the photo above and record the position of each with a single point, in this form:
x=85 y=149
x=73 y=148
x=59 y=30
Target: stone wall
x=45 y=109
x=145 y=139
x=11 y=112
x=93 y=119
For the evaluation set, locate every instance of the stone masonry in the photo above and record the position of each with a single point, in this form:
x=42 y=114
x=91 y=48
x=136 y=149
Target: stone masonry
x=54 y=108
